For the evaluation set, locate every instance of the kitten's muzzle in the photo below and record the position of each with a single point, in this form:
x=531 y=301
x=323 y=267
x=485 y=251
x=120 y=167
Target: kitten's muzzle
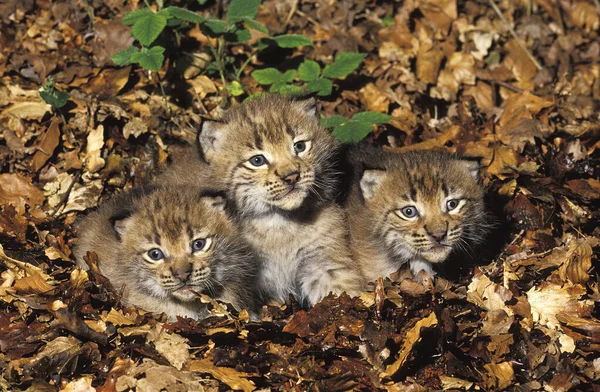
x=182 y=271
x=291 y=178
x=438 y=234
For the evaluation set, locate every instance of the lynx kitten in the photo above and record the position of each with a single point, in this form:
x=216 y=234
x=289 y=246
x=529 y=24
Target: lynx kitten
x=276 y=163
x=414 y=207
x=167 y=245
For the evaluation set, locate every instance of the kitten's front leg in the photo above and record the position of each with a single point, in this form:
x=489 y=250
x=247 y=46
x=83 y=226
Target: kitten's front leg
x=321 y=277
x=418 y=265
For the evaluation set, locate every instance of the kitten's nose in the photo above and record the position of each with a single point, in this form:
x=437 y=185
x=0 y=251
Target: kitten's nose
x=439 y=234
x=182 y=272
x=291 y=178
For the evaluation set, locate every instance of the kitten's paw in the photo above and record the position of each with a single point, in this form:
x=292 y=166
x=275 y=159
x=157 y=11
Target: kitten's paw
x=422 y=271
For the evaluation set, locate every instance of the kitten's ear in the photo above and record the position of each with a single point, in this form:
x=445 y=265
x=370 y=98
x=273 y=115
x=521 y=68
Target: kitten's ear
x=215 y=200
x=310 y=106
x=472 y=167
x=370 y=182
x=210 y=138
x=121 y=224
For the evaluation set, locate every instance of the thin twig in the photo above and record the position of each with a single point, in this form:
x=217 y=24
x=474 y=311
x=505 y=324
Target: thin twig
x=311 y=20
x=291 y=13
x=514 y=34
x=65 y=196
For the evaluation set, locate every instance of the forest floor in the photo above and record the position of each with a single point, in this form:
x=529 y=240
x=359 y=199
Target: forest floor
x=522 y=91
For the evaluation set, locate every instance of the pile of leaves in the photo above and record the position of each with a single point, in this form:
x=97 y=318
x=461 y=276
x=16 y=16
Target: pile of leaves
x=516 y=83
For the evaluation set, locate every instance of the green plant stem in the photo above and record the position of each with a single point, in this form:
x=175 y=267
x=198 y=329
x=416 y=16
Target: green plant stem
x=164 y=95
x=241 y=69
x=218 y=53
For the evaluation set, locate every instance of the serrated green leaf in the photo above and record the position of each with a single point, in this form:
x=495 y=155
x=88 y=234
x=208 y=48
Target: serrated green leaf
x=321 y=86
x=352 y=131
x=372 y=117
x=289 y=76
x=52 y=96
x=309 y=70
x=254 y=25
x=254 y=96
x=333 y=121
x=241 y=8
x=123 y=57
x=344 y=64
x=132 y=17
x=148 y=27
x=291 y=41
x=149 y=58
x=267 y=76
x=235 y=88
x=183 y=14
x=291 y=90
x=214 y=27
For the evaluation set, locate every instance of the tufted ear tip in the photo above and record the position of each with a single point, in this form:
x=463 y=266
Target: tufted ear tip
x=472 y=167
x=215 y=199
x=310 y=106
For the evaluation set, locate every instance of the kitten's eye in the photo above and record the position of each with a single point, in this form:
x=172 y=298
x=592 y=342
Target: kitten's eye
x=156 y=254
x=258 y=160
x=198 y=245
x=452 y=204
x=409 y=212
x=300 y=147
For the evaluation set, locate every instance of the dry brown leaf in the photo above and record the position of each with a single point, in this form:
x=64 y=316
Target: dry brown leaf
x=412 y=337
x=35 y=284
x=578 y=263
x=95 y=142
x=487 y=294
x=499 y=375
x=374 y=99
x=117 y=318
x=550 y=300
x=524 y=105
x=150 y=376
x=585 y=15
x=236 y=380
x=588 y=189
x=18 y=192
x=170 y=345
x=455 y=383
x=521 y=65
x=47 y=144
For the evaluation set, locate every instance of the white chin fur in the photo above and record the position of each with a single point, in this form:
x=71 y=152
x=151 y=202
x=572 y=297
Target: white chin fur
x=436 y=256
x=291 y=201
x=184 y=294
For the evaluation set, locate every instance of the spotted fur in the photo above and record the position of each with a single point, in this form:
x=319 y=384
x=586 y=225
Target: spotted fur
x=441 y=190
x=126 y=229
x=277 y=165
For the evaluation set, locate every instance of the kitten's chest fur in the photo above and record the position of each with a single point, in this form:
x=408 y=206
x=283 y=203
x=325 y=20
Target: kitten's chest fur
x=285 y=244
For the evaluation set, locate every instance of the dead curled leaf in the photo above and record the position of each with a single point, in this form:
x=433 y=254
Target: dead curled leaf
x=234 y=379
x=170 y=345
x=412 y=337
x=47 y=144
x=19 y=192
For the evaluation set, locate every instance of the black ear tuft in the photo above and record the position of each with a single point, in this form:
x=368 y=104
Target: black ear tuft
x=215 y=199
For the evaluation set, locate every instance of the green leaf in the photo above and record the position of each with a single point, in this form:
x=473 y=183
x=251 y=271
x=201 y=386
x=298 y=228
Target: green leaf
x=123 y=57
x=291 y=41
x=321 y=86
x=148 y=27
x=344 y=64
x=52 y=96
x=150 y=59
x=291 y=90
x=289 y=76
x=276 y=87
x=235 y=88
x=267 y=75
x=241 y=8
x=309 y=70
x=388 y=21
x=238 y=35
x=202 y=2
x=372 y=117
x=214 y=27
x=183 y=14
x=254 y=96
x=131 y=18
x=254 y=25
x=333 y=121
x=352 y=131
